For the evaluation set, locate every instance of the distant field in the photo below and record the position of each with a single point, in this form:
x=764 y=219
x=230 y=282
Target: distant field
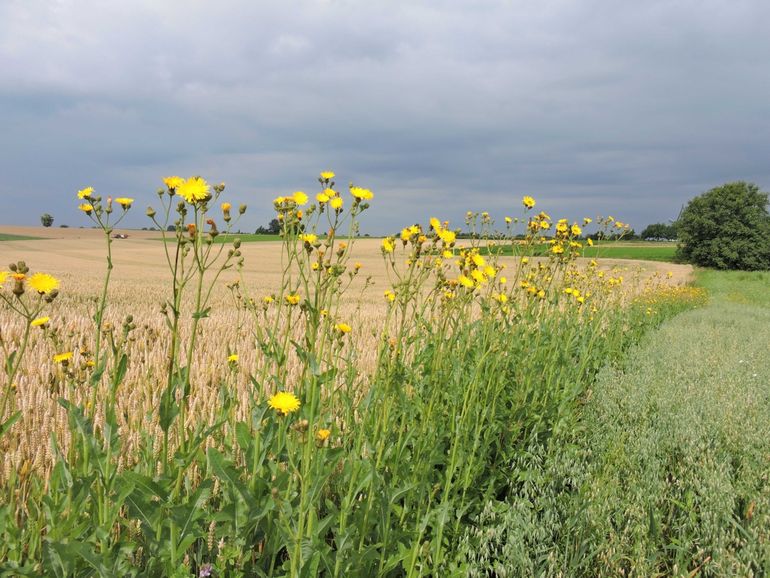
x=245 y=238
x=627 y=250
x=10 y=237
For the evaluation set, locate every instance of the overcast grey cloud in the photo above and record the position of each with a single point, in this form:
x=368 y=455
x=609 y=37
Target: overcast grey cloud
x=593 y=107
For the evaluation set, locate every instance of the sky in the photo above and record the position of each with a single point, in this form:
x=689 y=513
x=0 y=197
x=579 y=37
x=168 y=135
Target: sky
x=593 y=107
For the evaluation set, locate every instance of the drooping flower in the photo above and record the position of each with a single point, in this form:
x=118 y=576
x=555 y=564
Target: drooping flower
x=193 y=190
x=43 y=283
x=284 y=402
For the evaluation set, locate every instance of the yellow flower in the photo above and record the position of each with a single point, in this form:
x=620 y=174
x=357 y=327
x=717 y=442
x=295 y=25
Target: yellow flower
x=124 y=202
x=336 y=203
x=528 y=202
x=322 y=198
x=85 y=193
x=478 y=260
x=435 y=224
x=406 y=234
x=193 y=190
x=466 y=282
x=508 y=220
x=576 y=231
x=284 y=402
x=233 y=358
x=323 y=434
x=448 y=237
x=557 y=249
x=40 y=321
x=490 y=271
x=173 y=182
x=541 y=294
x=226 y=207
x=361 y=194
x=267 y=299
x=501 y=298
x=292 y=298
x=387 y=245
x=587 y=221
x=327 y=175
x=447 y=254
x=43 y=283
x=299 y=197
x=390 y=296
x=62 y=357
x=3 y=277
x=590 y=242
x=478 y=276
x=315 y=266
x=343 y=328
x=308 y=238
x=86 y=208
x=503 y=280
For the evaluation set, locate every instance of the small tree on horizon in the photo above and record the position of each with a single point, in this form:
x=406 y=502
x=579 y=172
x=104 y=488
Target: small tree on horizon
x=727 y=227
x=46 y=220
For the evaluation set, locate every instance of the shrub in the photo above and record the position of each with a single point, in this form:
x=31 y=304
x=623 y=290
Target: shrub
x=727 y=227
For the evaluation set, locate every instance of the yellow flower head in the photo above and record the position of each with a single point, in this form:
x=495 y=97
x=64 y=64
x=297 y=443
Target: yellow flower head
x=343 y=328
x=466 y=282
x=336 y=203
x=62 y=357
x=576 y=231
x=478 y=260
x=86 y=208
x=323 y=434
x=40 y=321
x=447 y=237
x=322 y=198
x=124 y=202
x=292 y=299
x=435 y=224
x=388 y=246
x=43 y=283
x=226 y=207
x=193 y=190
x=528 y=202
x=233 y=358
x=173 y=183
x=327 y=175
x=508 y=220
x=390 y=296
x=3 y=277
x=361 y=194
x=299 y=197
x=590 y=242
x=267 y=299
x=308 y=238
x=284 y=402
x=85 y=193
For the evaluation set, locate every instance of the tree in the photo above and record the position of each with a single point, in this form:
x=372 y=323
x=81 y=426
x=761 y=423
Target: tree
x=46 y=219
x=659 y=231
x=727 y=227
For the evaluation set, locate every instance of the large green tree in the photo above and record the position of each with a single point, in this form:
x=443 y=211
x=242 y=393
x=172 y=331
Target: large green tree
x=727 y=227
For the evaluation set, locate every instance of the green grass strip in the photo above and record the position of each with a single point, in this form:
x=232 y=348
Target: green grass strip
x=10 y=237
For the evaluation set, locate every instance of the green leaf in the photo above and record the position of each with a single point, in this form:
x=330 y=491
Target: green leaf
x=8 y=424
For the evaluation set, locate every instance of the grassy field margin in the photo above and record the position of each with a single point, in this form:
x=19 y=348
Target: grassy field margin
x=668 y=472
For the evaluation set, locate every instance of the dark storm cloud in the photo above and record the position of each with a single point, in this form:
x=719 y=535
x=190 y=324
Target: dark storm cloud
x=627 y=108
